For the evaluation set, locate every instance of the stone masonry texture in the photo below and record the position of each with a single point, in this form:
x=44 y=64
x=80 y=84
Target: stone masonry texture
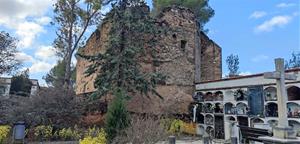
x=175 y=59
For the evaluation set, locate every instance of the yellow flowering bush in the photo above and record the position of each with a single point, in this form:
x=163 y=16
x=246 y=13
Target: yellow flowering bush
x=4 y=133
x=189 y=128
x=43 y=132
x=94 y=136
x=179 y=126
x=69 y=134
x=176 y=126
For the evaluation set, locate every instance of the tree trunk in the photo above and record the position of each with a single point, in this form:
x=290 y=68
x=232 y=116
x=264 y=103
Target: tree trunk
x=67 y=79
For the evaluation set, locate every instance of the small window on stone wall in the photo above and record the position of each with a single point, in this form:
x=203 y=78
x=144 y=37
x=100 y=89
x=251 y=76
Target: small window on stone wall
x=97 y=34
x=174 y=36
x=183 y=45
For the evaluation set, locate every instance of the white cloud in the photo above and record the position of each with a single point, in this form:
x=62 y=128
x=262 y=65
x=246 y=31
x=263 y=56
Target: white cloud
x=43 y=20
x=40 y=66
x=245 y=73
x=23 y=57
x=28 y=31
x=257 y=14
x=259 y=58
x=26 y=17
x=24 y=8
x=46 y=53
x=276 y=21
x=285 y=5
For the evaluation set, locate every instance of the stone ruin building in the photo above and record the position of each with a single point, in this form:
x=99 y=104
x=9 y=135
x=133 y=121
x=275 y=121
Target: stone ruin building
x=187 y=56
x=249 y=101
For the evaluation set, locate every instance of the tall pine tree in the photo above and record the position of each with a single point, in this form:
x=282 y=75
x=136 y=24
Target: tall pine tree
x=203 y=12
x=131 y=40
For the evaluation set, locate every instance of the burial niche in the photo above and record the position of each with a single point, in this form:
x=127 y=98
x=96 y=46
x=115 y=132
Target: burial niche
x=218 y=108
x=229 y=95
x=209 y=119
x=293 y=110
x=242 y=120
x=200 y=118
x=218 y=96
x=270 y=94
x=293 y=93
x=295 y=125
x=210 y=131
x=209 y=96
x=254 y=121
x=219 y=127
x=240 y=95
x=208 y=108
x=198 y=96
x=241 y=108
x=229 y=108
x=271 y=110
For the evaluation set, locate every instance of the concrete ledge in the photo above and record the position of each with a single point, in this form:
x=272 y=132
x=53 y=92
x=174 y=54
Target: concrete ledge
x=273 y=140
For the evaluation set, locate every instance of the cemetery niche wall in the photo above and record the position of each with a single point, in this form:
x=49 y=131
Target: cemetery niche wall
x=245 y=100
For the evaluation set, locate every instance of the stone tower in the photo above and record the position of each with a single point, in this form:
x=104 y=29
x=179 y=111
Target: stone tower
x=185 y=55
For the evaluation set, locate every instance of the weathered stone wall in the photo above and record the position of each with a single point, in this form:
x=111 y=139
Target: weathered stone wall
x=211 y=59
x=95 y=44
x=176 y=59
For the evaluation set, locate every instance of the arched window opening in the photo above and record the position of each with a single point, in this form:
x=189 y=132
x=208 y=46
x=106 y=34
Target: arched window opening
x=241 y=109
x=293 y=93
x=293 y=110
x=219 y=96
x=218 y=108
x=229 y=108
x=271 y=110
x=270 y=94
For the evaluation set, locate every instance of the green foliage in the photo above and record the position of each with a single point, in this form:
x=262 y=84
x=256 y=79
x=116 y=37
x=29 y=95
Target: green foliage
x=233 y=65
x=43 y=132
x=294 y=62
x=202 y=10
x=73 y=17
x=21 y=84
x=69 y=134
x=117 y=117
x=49 y=107
x=8 y=51
x=4 y=133
x=176 y=126
x=56 y=75
x=94 y=136
x=119 y=66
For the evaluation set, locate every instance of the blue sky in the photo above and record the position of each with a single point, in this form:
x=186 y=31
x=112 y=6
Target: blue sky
x=256 y=30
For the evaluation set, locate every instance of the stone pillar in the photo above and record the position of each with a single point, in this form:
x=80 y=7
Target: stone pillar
x=281 y=94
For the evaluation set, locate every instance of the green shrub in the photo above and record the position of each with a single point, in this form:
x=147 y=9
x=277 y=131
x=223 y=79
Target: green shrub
x=43 y=132
x=176 y=126
x=94 y=136
x=69 y=134
x=4 y=133
x=117 y=117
